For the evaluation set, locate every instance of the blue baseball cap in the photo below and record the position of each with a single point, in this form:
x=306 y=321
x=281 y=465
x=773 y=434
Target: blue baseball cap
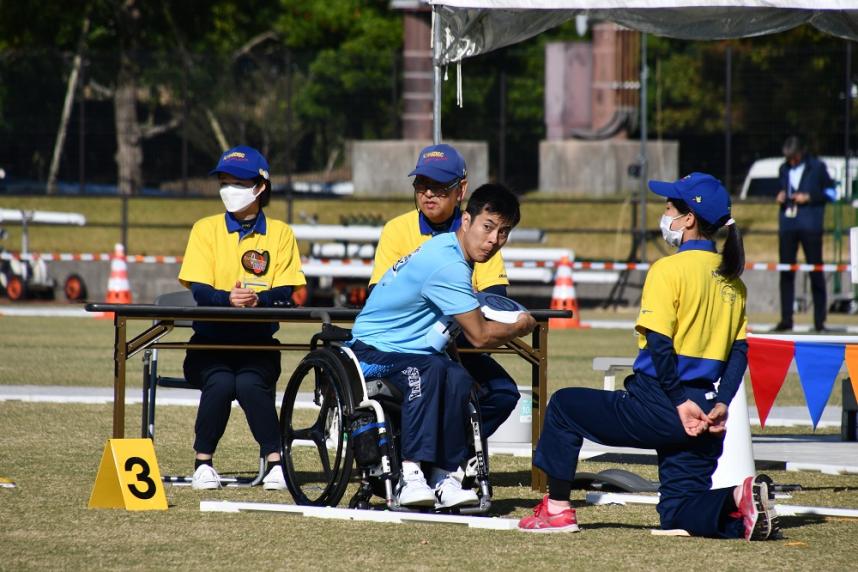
x=243 y=162
x=441 y=163
x=704 y=195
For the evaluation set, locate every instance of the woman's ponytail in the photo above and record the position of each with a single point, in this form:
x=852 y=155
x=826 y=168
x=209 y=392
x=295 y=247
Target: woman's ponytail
x=733 y=256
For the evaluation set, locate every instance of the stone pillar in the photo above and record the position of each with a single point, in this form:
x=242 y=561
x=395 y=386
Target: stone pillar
x=417 y=76
x=568 y=88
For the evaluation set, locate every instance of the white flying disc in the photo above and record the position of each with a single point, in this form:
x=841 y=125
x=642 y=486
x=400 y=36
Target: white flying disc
x=499 y=308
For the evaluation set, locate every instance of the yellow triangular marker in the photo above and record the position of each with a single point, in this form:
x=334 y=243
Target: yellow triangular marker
x=128 y=477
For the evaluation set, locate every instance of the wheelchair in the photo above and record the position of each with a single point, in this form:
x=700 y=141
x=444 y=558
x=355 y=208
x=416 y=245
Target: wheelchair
x=338 y=427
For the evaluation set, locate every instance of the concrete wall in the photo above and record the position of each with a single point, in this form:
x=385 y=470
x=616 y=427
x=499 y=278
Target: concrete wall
x=382 y=167
x=147 y=281
x=600 y=168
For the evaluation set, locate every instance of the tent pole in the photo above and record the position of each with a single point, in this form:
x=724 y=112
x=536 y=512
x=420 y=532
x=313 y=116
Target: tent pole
x=644 y=175
x=436 y=76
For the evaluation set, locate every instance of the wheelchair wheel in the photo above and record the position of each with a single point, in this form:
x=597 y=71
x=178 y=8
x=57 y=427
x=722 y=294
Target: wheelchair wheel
x=317 y=406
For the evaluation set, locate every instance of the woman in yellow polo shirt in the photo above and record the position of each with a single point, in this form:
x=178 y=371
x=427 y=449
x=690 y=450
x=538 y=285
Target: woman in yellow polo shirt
x=241 y=259
x=691 y=329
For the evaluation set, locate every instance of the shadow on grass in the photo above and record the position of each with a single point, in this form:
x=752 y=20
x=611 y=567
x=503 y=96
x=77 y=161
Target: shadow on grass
x=787 y=522
x=509 y=478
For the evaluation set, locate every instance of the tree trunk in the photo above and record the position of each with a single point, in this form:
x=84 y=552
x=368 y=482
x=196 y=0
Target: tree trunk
x=67 y=105
x=129 y=152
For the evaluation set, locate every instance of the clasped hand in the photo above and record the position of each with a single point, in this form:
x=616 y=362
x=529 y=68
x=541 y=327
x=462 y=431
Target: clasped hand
x=696 y=422
x=242 y=297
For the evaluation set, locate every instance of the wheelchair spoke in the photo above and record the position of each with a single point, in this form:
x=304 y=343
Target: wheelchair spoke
x=318 y=460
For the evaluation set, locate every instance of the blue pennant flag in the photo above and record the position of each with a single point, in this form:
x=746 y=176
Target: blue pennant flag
x=818 y=366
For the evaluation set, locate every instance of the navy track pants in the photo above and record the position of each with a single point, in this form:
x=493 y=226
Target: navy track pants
x=436 y=391
x=643 y=417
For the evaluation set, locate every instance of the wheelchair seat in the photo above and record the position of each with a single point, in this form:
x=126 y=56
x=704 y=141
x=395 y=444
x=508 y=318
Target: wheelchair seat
x=384 y=390
x=334 y=422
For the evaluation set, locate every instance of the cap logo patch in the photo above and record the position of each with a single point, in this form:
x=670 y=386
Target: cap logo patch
x=434 y=155
x=234 y=155
x=256 y=262
x=698 y=199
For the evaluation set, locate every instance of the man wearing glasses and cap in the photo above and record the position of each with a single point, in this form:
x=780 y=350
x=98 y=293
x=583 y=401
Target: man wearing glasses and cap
x=440 y=184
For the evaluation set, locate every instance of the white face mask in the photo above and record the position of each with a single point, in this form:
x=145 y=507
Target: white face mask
x=671 y=237
x=237 y=198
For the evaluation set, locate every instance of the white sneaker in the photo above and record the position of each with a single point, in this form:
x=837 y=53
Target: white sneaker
x=415 y=491
x=205 y=478
x=449 y=494
x=274 y=480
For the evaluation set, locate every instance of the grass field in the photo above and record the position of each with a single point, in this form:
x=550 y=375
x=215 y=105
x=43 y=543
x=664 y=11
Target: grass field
x=52 y=452
x=538 y=211
x=79 y=351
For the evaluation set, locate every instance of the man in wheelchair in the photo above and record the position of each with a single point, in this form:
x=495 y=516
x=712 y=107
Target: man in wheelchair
x=418 y=306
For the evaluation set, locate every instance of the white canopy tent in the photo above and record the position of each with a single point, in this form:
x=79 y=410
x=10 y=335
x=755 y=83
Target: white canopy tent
x=472 y=27
x=466 y=28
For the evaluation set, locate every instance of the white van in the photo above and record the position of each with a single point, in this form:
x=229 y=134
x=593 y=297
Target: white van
x=762 y=179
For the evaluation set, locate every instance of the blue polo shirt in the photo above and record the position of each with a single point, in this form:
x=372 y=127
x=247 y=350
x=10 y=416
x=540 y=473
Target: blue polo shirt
x=411 y=309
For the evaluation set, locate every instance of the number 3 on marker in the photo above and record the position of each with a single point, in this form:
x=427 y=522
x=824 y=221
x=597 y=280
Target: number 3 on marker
x=128 y=477
x=142 y=477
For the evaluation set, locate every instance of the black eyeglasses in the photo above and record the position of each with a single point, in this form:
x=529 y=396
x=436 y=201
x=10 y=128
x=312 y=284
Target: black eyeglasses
x=438 y=190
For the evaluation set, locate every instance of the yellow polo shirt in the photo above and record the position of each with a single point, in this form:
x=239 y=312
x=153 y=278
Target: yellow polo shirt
x=403 y=234
x=260 y=260
x=687 y=301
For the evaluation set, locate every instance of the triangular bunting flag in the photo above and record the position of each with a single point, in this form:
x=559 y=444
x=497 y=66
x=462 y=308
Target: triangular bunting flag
x=818 y=366
x=768 y=361
x=852 y=366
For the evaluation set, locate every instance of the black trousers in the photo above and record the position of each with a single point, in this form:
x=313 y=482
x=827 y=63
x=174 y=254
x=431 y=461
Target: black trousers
x=811 y=243
x=248 y=377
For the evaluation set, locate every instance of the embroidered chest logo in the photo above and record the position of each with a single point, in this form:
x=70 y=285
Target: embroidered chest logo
x=728 y=294
x=256 y=262
x=397 y=266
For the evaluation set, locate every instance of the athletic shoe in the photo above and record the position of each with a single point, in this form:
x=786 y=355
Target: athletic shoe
x=450 y=494
x=414 y=491
x=757 y=509
x=541 y=521
x=205 y=478
x=274 y=480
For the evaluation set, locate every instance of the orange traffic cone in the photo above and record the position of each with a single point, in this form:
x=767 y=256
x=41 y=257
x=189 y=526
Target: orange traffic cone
x=118 y=290
x=563 y=297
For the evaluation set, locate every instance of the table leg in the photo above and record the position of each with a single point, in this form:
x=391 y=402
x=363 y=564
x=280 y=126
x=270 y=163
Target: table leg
x=119 y=355
x=539 y=386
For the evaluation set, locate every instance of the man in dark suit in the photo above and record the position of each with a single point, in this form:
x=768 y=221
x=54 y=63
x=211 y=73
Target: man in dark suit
x=805 y=188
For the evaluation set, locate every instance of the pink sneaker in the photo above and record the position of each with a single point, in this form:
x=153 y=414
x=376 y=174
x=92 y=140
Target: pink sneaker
x=541 y=521
x=756 y=508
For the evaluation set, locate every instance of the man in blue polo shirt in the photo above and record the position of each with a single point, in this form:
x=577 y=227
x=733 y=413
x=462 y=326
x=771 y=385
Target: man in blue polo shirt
x=417 y=307
x=440 y=184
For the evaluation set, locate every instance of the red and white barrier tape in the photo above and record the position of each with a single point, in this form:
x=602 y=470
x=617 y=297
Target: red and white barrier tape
x=578 y=265
x=90 y=257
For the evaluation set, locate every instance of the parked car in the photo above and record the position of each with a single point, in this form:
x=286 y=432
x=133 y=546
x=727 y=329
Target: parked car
x=762 y=178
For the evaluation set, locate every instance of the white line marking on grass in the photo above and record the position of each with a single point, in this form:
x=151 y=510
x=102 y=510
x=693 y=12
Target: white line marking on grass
x=493 y=523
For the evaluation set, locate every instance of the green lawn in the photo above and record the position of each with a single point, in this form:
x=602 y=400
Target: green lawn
x=52 y=452
x=79 y=351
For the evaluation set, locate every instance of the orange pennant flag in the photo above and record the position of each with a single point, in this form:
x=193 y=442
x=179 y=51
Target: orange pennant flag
x=852 y=367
